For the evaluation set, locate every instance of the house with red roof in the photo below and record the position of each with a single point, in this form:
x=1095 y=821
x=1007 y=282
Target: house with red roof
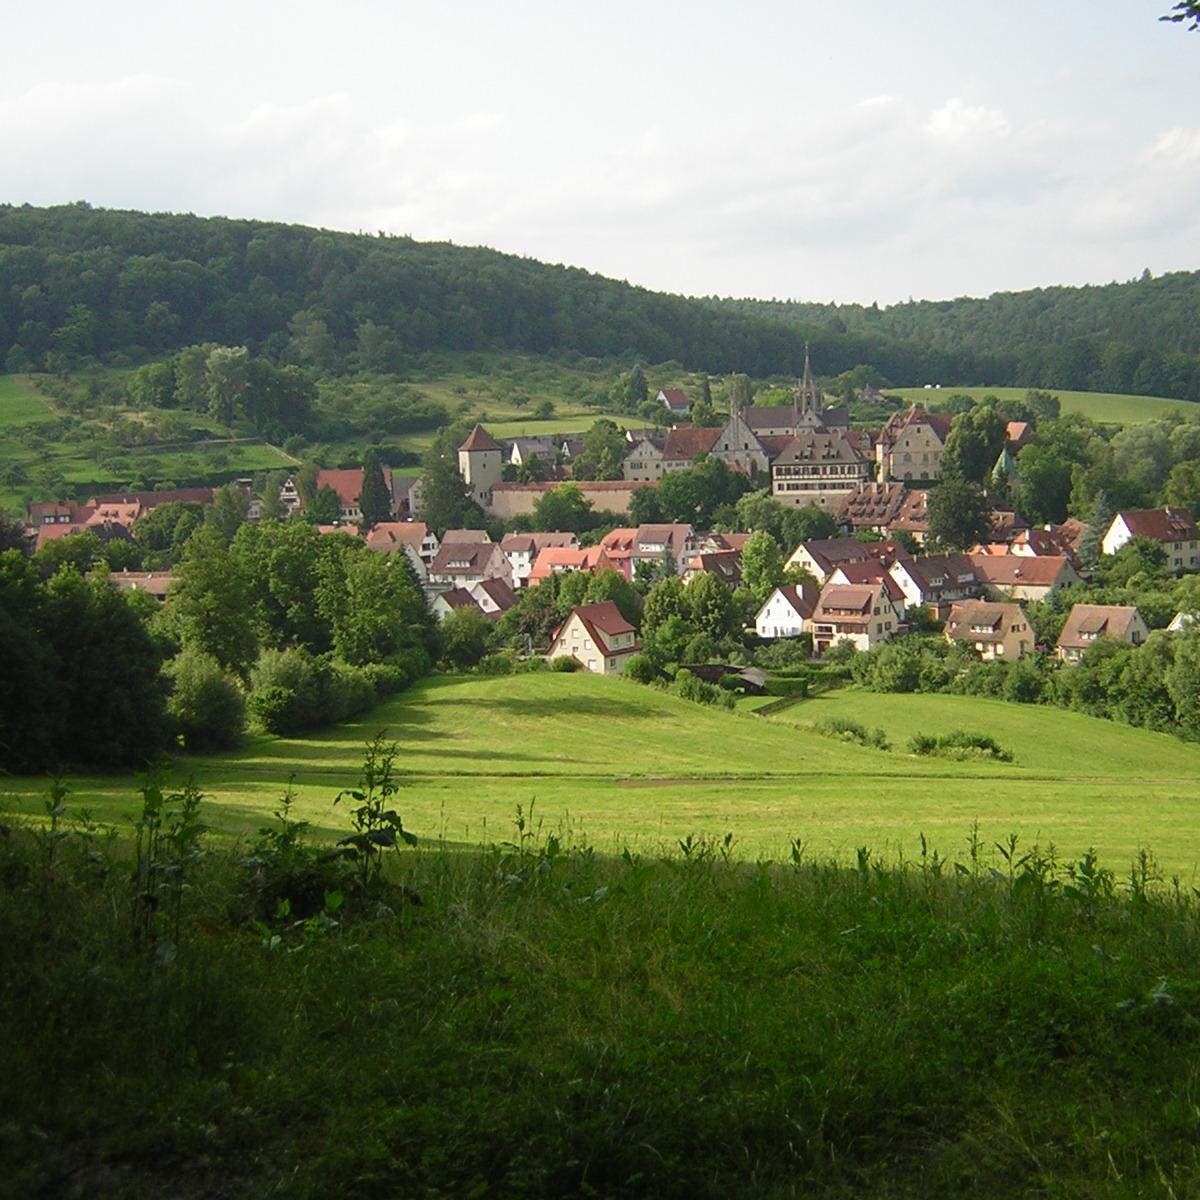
x=596 y=636
x=521 y=550
x=1087 y=623
x=1172 y=528
x=787 y=611
x=563 y=560
x=1022 y=577
x=994 y=631
x=864 y=615
x=674 y=401
x=347 y=483
x=463 y=564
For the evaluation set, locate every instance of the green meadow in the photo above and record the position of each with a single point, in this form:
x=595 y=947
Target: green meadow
x=622 y=765
x=1105 y=407
x=20 y=403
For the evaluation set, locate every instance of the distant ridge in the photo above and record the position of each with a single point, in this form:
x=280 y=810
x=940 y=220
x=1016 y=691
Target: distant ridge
x=79 y=283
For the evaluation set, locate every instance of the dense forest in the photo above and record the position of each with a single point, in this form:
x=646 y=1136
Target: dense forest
x=1141 y=337
x=79 y=284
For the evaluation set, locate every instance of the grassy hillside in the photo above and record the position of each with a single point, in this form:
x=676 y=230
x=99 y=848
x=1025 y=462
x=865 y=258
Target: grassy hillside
x=618 y=763
x=1106 y=407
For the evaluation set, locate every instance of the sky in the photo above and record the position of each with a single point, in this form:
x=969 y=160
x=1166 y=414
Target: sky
x=798 y=149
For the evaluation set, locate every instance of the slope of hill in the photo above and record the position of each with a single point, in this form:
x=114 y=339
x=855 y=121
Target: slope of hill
x=78 y=283
x=621 y=763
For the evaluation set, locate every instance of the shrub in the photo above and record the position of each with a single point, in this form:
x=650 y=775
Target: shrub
x=495 y=664
x=566 y=665
x=958 y=745
x=387 y=678
x=206 y=704
x=530 y=666
x=688 y=687
x=851 y=731
x=286 y=689
x=348 y=692
x=782 y=686
x=641 y=668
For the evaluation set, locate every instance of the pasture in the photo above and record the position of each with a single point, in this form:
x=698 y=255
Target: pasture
x=619 y=764
x=1108 y=408
x=20 y=403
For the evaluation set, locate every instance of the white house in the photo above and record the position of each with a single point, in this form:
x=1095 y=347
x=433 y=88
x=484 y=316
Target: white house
x=597 y=636
x=787 y=611
x=1172 y=528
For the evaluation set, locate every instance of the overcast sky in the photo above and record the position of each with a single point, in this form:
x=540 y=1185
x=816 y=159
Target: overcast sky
x=773 y=148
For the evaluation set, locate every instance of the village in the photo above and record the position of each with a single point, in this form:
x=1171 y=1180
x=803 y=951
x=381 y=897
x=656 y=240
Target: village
x=856 y=590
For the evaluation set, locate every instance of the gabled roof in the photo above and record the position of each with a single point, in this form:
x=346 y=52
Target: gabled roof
x=604 y=616
x=872 y=504
x=868 y=574
x=458 y=598
x=724 y=564
x=531 y=543
x=1021 y=570
x=982 y=621
x=802 y=597
x=388 y=535
x=462 y=558
x=479 y=439
x=1161 y=524
x=501 y=594
x=913 y=515
x=935 y=573
x=896 y=424
x=684 y=444
x=813 y=445
x=768 y=416
x=846 y=601
x=348 y=483
x=829 y=553
x=466 y=535
x=674 y=399
x=1086 y=622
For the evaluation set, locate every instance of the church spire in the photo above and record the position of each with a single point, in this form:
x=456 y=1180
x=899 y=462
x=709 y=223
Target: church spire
x=807 y=398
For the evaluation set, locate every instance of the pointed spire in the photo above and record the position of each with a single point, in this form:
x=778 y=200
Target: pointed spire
x=807 y=398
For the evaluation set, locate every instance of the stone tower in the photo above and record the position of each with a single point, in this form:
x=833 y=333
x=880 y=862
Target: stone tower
x=479 y=465
x=806 y=398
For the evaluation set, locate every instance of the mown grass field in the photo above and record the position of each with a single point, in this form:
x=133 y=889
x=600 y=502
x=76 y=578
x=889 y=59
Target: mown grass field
x=20 y=402
x=1105 y=407
x=621 y=764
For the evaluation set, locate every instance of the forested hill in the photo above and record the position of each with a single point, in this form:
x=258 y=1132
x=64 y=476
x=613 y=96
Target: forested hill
x=80 y=284
x=1142 y=336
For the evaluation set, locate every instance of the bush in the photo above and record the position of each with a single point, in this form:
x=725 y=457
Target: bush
x=566 y=665
x=286 y=691
x=348 y=692
x=958 y=745
x=688 y=687
x=851 y=731
x=784 y=653
x=530 y=666
x=206 y=705
x=495 y=664
x=641 y=668
x=782 y=686
x=387 y=678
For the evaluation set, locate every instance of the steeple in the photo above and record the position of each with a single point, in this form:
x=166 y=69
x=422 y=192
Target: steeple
x=806 y=398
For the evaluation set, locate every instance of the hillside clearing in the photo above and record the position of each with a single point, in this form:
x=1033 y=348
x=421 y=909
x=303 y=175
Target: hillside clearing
x=1105 y=407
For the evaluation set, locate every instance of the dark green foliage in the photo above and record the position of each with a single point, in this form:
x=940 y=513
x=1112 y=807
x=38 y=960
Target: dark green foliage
x=641 y=668
x=688 y=687
x=375 y=499
x=206 y=705
x=464 y=636
x=293 y=690
x=80 y=673
x=566 y=665
x=959 y=514
x=958 y=745
x=852 y=731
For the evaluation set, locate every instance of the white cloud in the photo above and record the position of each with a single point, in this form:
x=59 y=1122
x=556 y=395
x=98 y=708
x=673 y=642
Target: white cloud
x=958 y=122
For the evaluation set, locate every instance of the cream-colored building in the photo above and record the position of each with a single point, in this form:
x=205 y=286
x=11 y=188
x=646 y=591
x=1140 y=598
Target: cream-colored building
x=596 y=636
x=993 y=630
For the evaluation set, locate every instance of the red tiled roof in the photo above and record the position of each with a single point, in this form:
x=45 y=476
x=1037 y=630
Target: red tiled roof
x=605 y=616
x=388 y=534
x=1019 y=570
x=479 y=439
x=802 y=597
x=683 y=444
x=1100 y=620
x=1161 y=524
